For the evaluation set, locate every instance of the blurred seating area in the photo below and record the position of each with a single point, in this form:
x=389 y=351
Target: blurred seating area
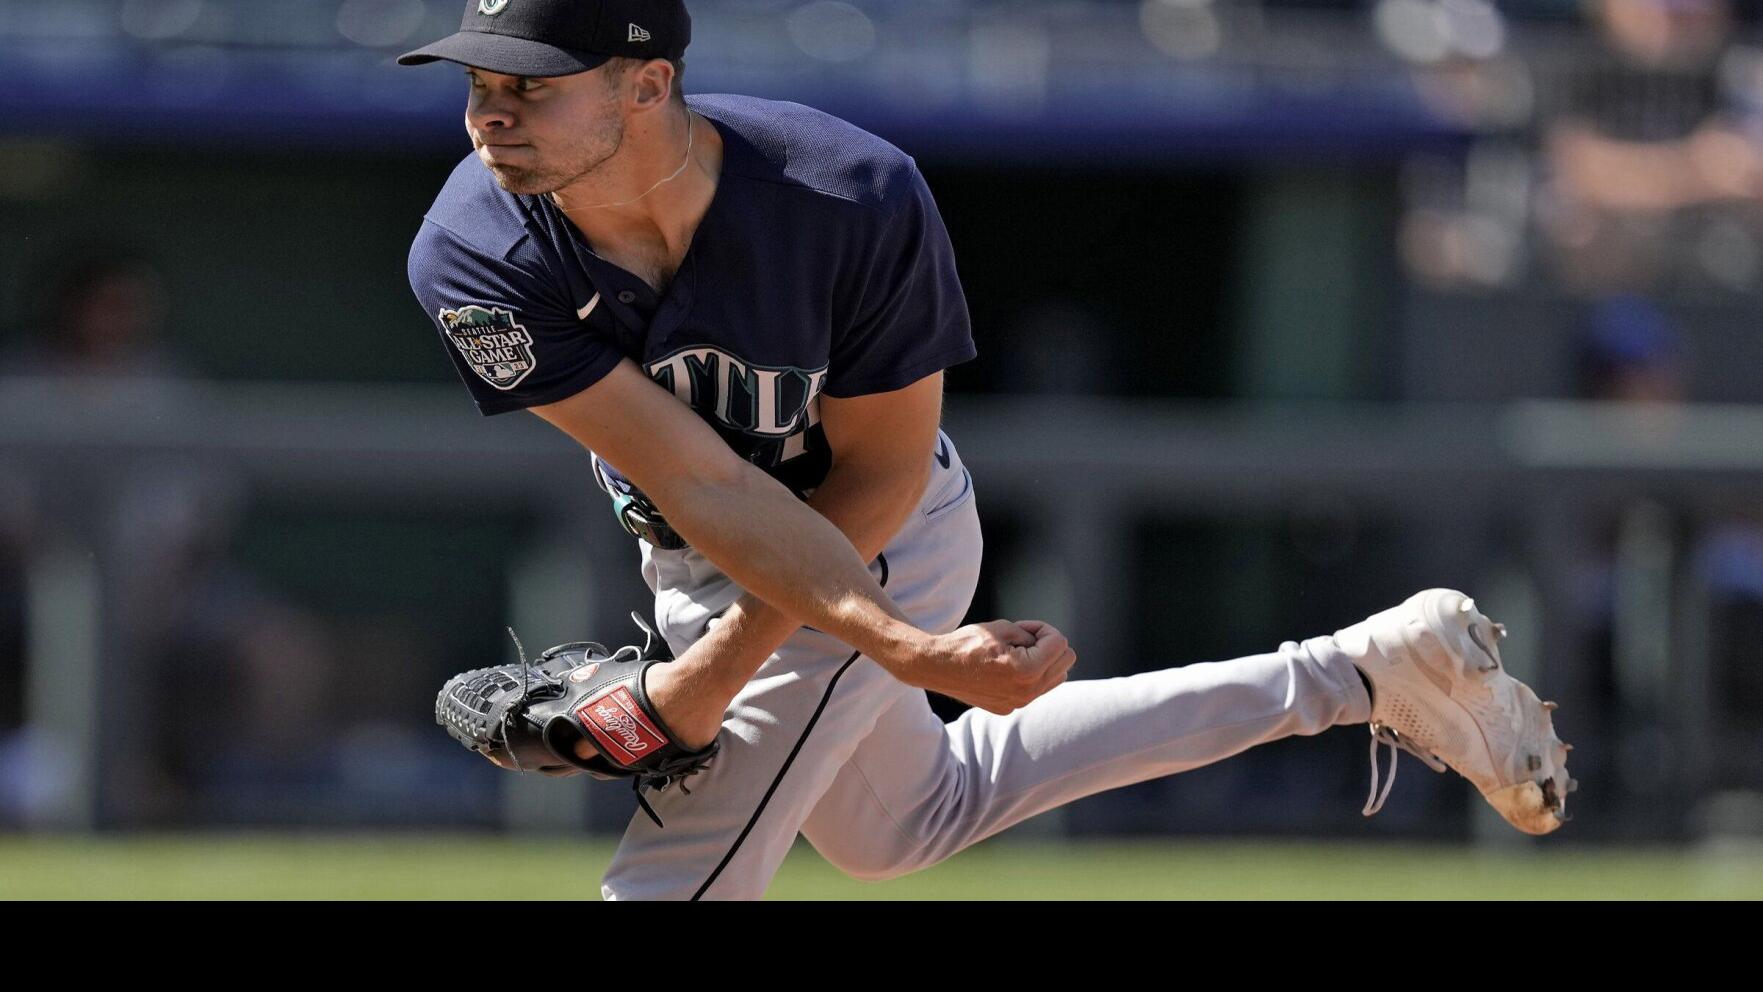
x=1121 y=78
x=1308 y=303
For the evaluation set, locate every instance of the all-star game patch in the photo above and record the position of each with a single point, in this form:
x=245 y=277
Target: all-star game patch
x=497 y=349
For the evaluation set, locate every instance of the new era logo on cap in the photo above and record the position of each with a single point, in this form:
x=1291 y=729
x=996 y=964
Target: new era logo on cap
x=560 y=37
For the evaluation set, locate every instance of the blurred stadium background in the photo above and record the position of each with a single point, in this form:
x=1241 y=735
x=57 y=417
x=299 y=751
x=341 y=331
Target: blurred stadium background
x=1286 y=308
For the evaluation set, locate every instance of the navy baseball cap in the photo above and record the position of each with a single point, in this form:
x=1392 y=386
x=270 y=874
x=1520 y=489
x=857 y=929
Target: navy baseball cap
x=560 y=37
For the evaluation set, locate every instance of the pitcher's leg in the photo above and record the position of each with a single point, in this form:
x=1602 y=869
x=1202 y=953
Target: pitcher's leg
x=917 y=791
x=784 y=740
x=792 y=729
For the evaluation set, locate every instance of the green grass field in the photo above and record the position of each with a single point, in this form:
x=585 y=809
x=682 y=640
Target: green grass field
x=233 y=866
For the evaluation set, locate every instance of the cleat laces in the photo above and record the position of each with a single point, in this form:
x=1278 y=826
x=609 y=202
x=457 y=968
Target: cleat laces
x=1383 y=734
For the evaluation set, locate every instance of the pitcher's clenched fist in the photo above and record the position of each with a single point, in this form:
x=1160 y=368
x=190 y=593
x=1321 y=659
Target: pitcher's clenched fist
x=998 y=666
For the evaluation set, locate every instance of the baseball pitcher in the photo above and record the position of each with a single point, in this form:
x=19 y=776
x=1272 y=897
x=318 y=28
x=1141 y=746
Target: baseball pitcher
x=743 y=309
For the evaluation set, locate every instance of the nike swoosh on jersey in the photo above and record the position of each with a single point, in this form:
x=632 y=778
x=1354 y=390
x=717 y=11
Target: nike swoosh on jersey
x=582 y=314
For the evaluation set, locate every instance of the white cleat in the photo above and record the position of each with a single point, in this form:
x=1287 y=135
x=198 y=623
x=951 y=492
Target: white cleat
x=1440 y=693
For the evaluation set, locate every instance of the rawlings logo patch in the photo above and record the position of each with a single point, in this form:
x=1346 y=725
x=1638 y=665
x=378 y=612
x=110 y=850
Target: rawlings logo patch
x=619 y=726
x=497 y=349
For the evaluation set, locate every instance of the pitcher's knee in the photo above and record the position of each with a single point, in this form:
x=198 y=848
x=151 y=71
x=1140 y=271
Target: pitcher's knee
x=876 y=862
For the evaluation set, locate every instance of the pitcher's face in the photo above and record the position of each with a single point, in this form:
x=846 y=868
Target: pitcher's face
x=540 y=134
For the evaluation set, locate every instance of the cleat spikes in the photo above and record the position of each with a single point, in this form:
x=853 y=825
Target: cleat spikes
x=1573 y=785
x=1436 y=678
x=1566 y=747
x=1551 y=706
x=1551 y=799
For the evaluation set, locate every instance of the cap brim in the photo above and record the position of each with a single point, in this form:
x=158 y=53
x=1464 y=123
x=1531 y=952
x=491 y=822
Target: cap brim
x=505 y=54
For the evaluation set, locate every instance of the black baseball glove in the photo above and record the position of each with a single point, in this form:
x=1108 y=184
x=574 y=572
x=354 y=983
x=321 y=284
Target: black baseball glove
x=530 y=717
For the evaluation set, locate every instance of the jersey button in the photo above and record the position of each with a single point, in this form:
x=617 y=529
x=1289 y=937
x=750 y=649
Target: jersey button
x=627 y=297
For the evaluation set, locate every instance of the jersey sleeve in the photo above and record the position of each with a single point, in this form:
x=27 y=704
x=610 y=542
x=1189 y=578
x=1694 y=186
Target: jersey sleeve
x=513 y=340
x=910 y=319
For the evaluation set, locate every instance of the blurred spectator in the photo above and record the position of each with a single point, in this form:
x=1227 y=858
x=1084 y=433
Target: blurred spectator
x=237 y=673
x=1636 y=156
x=1645 y=140
x=1626 y=351
x=238 y=696
x=107 y=313
x=1630 y=352
x=1468 y=211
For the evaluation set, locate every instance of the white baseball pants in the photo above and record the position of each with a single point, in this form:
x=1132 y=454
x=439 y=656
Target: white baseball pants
x=824 y=742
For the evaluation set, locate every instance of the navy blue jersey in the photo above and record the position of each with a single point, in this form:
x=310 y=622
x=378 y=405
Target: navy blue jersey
x=820 y=267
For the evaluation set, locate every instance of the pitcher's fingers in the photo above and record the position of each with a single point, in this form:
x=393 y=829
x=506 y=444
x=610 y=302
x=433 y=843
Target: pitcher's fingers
x=1009 y=633
x=1049 y=643
x=1067 y=661
x=1057 y=673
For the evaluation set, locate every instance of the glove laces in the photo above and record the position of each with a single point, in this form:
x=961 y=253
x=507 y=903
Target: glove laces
x=660 y=780
x=526 y=690
x=1384 y=734
x=662 y=777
